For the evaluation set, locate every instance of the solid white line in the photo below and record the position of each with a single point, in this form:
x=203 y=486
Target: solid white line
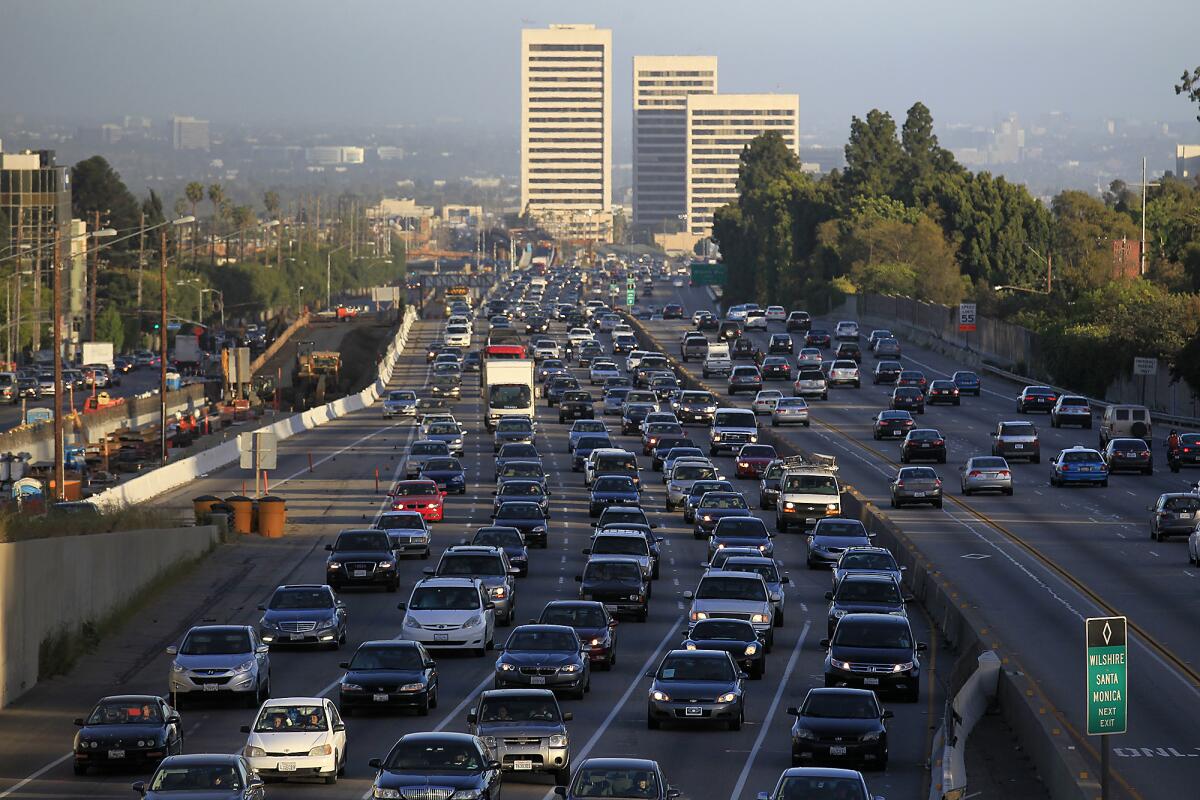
x=34 y=776
x=766 y=723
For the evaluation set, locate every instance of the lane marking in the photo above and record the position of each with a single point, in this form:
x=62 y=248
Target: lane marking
x=35 y=775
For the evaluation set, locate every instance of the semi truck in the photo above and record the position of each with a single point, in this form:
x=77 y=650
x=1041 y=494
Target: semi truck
x=507 y=388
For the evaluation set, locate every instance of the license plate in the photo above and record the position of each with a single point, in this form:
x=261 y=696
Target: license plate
x=1185 y=515
x=211 y=687
x=693 y=711
x=837 y=750
x=296 y=637
x=287 y=766
x=522 y=765
x=1018 y=447
x=360 y=573
x=871 y=681
x=918 y=494
x=441 y=637
x=380 y=698
x=116 y=753
x=537 y=680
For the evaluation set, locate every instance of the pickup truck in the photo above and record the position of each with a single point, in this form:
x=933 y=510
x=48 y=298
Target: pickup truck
x=694 y=345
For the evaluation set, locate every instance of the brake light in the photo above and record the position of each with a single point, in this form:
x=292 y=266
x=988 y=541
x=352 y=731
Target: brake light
x=939 y=442
x=1187 y=449
x=899 y=484
x=1029 y=397
x=974 y=473
x=1004 y=473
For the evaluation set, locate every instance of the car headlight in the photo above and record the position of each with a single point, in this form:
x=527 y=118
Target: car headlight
x=789 y=506
x=412 y=687
x=467 y=794
x=697 y=616
x=838 y=613
x=754 y=438
x=716 y=437
x=539 y=528
x=327 y=623
x=751 y=649
x=558 y=740
x=505 y=667
x=351 y=687
x=831 y=507
x=390 y=794
x=245 y=666
x=833 y=662
x=905 y=667
x=250 y=751
x=321 y=750
x=176 y=667
x=411 y=622
x=871 y=736
x=760 y=618
x=499 y=592
x=386 y=565
x=660 y=696
x=333 y=565
x=708 y=518
x=570 y=668
x=472 y=622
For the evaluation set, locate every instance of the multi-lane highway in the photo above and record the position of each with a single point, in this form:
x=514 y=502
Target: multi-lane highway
x=36 y=732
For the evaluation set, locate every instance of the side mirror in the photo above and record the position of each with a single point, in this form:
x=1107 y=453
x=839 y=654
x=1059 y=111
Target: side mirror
x=776 y=597
x=792 y=711
x=922 y=647
x=887 y=714
x=172 y=650
x=79 y=721
x=244 y=729
x=344 y=665
x=579 y=579
x=402 y=606
x=688 y=595
x=493 y=765
x=587 y=551
x=829 y=595
x=329 y=547
x=495 y=493
x=338 y=727
x=785 y=579
x=612 y=623
x=650 y=674
x=560 y=791
x=262 y=648
x=427 y=570
x=262 y=607
x=173 y=719
x=375 y=763
x=824 y=643
x=489 y=607
x=140 y=787
x=653 y=525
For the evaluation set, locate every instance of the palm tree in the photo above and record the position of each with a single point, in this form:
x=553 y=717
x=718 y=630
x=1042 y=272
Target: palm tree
x=243 y=218
x=194 y=192
x=271 y=201
x=216 y=196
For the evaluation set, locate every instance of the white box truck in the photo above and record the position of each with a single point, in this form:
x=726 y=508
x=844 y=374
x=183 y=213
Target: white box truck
x=507 y=388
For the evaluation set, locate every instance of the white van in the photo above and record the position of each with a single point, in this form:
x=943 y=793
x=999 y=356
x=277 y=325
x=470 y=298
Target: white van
x=717 y=361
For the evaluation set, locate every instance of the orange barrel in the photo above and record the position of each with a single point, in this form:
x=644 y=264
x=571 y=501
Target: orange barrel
x=243 y=513
x=202 y=506
x=272 y=516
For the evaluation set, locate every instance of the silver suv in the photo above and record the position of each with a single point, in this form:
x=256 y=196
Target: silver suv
x=524 y=730
x=735 y=595
x=732 y=428
x=221 y=659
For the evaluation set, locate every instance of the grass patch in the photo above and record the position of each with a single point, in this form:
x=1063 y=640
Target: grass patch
x=23 y=527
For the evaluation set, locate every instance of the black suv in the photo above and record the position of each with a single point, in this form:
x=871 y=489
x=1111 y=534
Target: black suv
x=362 y=558
x=619 y=582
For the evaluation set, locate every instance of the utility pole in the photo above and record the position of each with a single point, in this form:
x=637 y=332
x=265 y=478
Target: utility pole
x=92 y=279
x=162 y=346
x=142 y=256
x=60 y=470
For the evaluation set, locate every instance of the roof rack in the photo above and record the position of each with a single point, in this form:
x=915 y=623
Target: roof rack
x=816 y=460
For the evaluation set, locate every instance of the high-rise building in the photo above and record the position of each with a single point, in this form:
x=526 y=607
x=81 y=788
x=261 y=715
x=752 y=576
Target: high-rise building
x=661 y=85
x=189 y=133
x=566 y=128
x=1187 y=161
x=719 y=127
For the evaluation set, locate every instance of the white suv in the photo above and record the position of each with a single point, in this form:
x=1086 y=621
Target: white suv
x=450 y=612
x=776 y=314
x=717 y=360
x=846 y=331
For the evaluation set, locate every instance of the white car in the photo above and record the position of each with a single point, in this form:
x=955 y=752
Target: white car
x=602 y=371
x=634 y=359
x=677 y=283
x=458 y=336
x=756 y=318
x=454 y=613
x=846 y=331
x=737 y=313
x=844 y=371
x=577 y=336
x=297 y=737
x=776 y=314
x=809 y=357
x=544 y=351
x=764 y=401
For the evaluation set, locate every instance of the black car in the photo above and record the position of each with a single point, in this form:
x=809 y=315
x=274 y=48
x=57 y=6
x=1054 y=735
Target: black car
x=891 y=425
x=558 y=386
x=361 y=558
x=634 y=415
x=1036 y=398
x=455 y=762
x=798 y=321
x=728 y=331
x=672 y=311
x=692 y=686
x=618 y=582
x=735 y=636
x=597 y=777
x=840 y=726
x=768 y=485
x=1132 y=455
x=1186 y=454
x=303 y=614
x=850 y=351
x=942 y=392
x=544 y=656
x=209 y=776
x=743 y=347
x=923 y=443
x=509 y=540
x=575 y=404
x=776 y=368
x=863 y=593
x=817 y=337
x=780 y=344
x=667 y=444
x=525 y=516
x=516 y=451
x=695 y=406
x=472 y=361
x=908 y=398
x=389 y=674
x=886 y=372
x=127 y=731
x=593 y=624
x=874 y=651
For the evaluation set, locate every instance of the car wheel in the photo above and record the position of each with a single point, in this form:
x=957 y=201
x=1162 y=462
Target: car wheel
x=331 y=778
x=735 y=724
x=965 y=491
x=1104 y=483
x=779 y=620
x=562 y=776
x=912 y=695
x=342 y=769
x=937 y=503
x=781 y=524
x=643 y=615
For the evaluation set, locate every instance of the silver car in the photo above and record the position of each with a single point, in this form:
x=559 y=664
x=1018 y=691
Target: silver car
x=1017 y=439
x=683 y=476
x=221 y=659
x=1174 y=514
x=524 y=730
x=790 y=411
x=420 y=452
x=811 y=383
x=400 y=403
x=985 y=473
x=916 y=485
x=489 y=566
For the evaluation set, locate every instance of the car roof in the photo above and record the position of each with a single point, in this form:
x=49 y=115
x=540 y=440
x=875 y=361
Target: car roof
x=201 y=758
x=731 y=573
x=869 y=577
x=613 y=559
x=620 y=763
x=296 y=701
x=391 y=644
x=129 y=698
x=701 y=653
x=512 y=694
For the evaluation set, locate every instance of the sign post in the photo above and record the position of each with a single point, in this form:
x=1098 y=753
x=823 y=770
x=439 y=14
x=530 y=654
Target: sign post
x=1107 y=684
x=630 y=292
x=257 y=452
x=1145 y=367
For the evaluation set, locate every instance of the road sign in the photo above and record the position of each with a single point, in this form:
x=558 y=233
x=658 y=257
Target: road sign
x=614 y=289
x=706 y=274
x=258 y=450
x=1145 y=366
x=630 y=292
x=966 y=317
x=1107 y=681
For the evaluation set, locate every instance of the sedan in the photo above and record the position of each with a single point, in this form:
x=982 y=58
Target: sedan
x=886 y=372
x=584 y=446
x=516 y=452
x=831 y=536
x=967 y=382
x=451 y=433
x=1131 y=455
x=887 y=348
x=207 y=776
x=696 y=686
x=596 y=777
x=544 y=656
x=512 y=429
x=457 y=761
x=790 y=411
x=765 y=401
x=985 y=473
x=942 y=392
x=819 y=782
x=916 y=485
x=1036 y=398
x=891 y=425
x=715 y=506
x=696 y=494
x=526 y=517
x=1174 y=514
x=736 y=637
x=745 y=379
x=593 y=624
x=908 y=398
x=817 y=337
x=583 y=427
x=748 y=532
x=303 y=614
x=1078 y=465
x=868 y=560
x=912 y=377
x=388 y=674
x=448 y=473
x=780 y=344
x=863 y=594
x=1071 y=409
x=839 y=726
x=776 y=368
x=875 y=651
x=127 y=730
x=923 y=443
x=532 y=491
x=422 y=496
x=612 y=490
x=809 y=357
x=753 y=459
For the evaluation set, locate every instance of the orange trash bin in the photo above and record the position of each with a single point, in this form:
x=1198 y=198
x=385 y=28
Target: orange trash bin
x=272 y=516
x=202 y=506
x=243 y=513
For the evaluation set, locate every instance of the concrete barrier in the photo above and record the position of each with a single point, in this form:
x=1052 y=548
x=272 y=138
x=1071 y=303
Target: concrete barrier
x=55 y=592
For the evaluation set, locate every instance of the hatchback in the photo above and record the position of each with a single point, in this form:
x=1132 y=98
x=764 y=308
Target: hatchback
x=1132 y=455
x=1174 y=514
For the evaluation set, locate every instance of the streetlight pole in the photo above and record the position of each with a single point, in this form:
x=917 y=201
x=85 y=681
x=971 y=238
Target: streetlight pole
x=60 y=467
x=299 y=289
x=162 y=348
x=328 y=272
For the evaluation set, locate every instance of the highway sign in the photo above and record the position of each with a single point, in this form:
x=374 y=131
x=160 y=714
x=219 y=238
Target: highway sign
x=630 y=292
x=708 y=274
x=1107 y=679
x=1145 y=366
x=614 y=289
x=966 y=317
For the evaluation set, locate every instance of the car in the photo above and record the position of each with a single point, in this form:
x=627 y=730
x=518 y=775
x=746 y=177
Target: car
x=744 y=531
x=923 y=443
x=610 y=461
x=1071 y=409
x=745 y=378
x=537 y=655
x=1036 y=398
x=556 y=386
x=840 y=726
x=876 y=335
x=809 y=357
x=599 y=777
x=713 y=507
x=601 y=370
x=1017 y=439
x=766 y=567
x=665 y=387
x=752 y=460
x=811 y=382
x=942 y=392
x=1078 y=465
x=654 y=432
x=507 y=539
x=623 y=343
x=743 y=348
x=867 y=560
x=407 y=530
x=672 y=311
x=515 y=429
x=421 y=495
x=887 y=348
x=755 y=318
x=400 y=403
x=421 y=450
x=210 y=776
x=619 y=582
x=516 y=451
x=790 y=411
x=849 y=351
x=631 y=539
x=533 y=491
x=548 y=368
x=488 y=565
x=817 y=337
x=431 y=352
x=797 y=321
x=768 y=485
x=1129 y=421
x=846 y=331
x=575 y=404
x=527 y=517
x=1186 y=453
x=472 y=361
x=524 y=730
x=985 y=473
x=830 y=537
x=1123 y=454
x=451 y=612
x=696 y=494
x=780 y=344
x=362 y=557
x=967 y=382
x=907 y=398
x=1174 y=514
x=731 y=428
x=634 y=414
x=458 y=761
x=297 y=737
x=913 y=485
x=736 y=637
x=126 y=730
x=666 y=460
x=520 y=469
x=609 y=490
x=593 y=624
x=891 y=425
x=844 y=372
x=914 y=378
x=695 y=407
x=388 y=674
x=447 y=473
x=229 y=660
x=692 y=686
x=819 y=783
x=613 y=403
x=705 y=321
x=776 y=368
x=584 y=446
x=886 y=372
x=764 y=402
x=874 y=651
x=776 y=314
x=304 y=614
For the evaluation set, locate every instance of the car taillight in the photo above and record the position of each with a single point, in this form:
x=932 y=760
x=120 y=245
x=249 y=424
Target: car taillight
x=938 y=442
x=974 y=473
x=899 y=484
x=1187 y=449
x=1004 y=473
x=1029 y=397
x=1144 y=453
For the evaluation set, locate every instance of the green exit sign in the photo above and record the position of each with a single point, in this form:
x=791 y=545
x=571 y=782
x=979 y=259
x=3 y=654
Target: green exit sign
x=1107 y=675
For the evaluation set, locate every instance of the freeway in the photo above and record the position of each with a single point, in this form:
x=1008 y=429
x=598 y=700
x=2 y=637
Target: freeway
x=35 y=732
x=143 y=379
x=1039 y=562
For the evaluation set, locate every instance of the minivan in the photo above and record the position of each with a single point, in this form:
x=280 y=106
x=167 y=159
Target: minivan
x=1125 y=421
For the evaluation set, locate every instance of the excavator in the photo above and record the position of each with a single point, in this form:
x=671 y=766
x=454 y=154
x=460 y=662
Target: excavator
x=315 y=375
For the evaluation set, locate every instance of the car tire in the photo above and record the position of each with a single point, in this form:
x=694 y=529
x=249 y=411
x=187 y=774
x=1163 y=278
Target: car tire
x=1009 y=491
x=778 y=620
x=331 y=778
x=735 y=724
x=643 y=615
x=965 y=491
x=912 y=695
x=781 y=524
x=807 y=424
x=758 y=670
x=937 y=503
x=1104 y=483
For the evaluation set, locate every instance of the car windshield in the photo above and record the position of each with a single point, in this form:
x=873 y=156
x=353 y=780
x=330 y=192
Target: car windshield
x=542 y=639
x=734 y=419
x=216 y=643
x=441 y=464
x=399 y=396
x=498 y=537
x=589 y=426
x=197 y=778
x=413 y=489
x=574 y=616
x=907 y=392
x=471 y=565
x=423 y=755
x=520 y=510
x=840 y=705
x=407 y=658
x=792 y=402
x=125 y=713
x=869 y=633
x=518 y=450
x=526 y=469
x=301 y=598
x=691 y=472
x=593 y=442
x=767 y=571
x=443 y=429
x=701 y=488
x=444 y=598
x=729 y=588
x=619 y=546
x=291 y=719
x=609 y=571
x=918 y=474
x=723 y=501
x=515 y=489
x=614 y=463
x=616 y=782
x=1127 y=444
x=519 y=709
x=810 y=484
x=757 y=451
x=874 y=591
x=872 y=561
x=429 y=449
x=741 y=526
x=1017 y=429
x=695 y=668
x=840 y=527
x=613 y=483
x=509 y=396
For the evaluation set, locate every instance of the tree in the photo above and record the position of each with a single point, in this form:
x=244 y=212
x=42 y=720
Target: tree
x=194 y=192
x=924 y=157
x=96 y=186
x=1084 y=229
x=1189 y=84
x=110 y=327
x=216 y=196
x=874 y=158
x=243 y=219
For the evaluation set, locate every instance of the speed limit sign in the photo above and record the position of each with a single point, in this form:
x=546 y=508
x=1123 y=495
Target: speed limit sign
x=966 y=317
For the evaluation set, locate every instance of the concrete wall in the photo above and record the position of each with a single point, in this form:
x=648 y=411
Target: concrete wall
x=53 y=587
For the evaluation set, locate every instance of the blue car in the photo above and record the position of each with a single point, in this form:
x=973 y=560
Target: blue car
x=612 y=490
x=1078 y=465
x=447 y=473
x=967 y=382
x=584 y=447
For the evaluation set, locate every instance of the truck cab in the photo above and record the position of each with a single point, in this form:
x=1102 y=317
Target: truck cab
x=808 y=491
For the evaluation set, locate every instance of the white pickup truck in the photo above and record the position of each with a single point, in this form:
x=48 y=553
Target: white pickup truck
x=717 y=360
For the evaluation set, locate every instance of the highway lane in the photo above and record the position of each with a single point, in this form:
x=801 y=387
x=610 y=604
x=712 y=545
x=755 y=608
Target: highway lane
x=144 y=379
x=610 y=721
x=1097 y=536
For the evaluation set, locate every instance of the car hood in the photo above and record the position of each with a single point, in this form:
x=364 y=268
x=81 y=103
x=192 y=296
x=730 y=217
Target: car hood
x=630 y=586
x=742 y=541
x=715 y=605
x=865 y=607
x=297 y=614
x=872 y=655
x=379 y=677
x=839 y=542
x=215 y=662
x=189 y=795
x=681 y=691
x=288 y=742
x=125 y=733
x=538 y=658
x=367 y=555
x=395 y=780
x=415 y=498
x=441 y=474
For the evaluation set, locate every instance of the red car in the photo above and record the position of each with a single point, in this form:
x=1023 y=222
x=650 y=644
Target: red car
x=753 y=459
x=424 y=497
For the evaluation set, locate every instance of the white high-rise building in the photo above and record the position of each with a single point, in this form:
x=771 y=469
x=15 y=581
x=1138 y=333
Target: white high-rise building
x=189 y=133
x=661 y=85
x=566 y=128
x=719 y=127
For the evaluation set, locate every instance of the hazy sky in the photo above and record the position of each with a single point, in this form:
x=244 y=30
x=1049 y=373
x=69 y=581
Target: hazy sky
x=379 y=61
